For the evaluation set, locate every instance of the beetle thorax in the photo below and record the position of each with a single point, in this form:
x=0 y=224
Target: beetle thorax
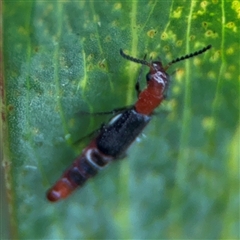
x=158 y=73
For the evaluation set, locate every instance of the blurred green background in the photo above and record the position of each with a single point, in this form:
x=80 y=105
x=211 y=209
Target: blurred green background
x=181 y=178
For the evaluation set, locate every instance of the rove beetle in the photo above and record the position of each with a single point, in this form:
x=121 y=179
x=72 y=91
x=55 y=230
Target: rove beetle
x=114 y=138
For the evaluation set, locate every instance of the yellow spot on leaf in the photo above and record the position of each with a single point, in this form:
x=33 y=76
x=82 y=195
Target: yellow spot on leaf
x=151 y=33
x=179 y=74
x=177 y=13
x=90 y=57
x=236 y=7
x=176 y=90
x=204 y=4
x=227 y=76
x=197 y=61
x=205 y=24
x=231 y=25
x=164 y=36
x=212 y=75
x=208 y=123
x=102 y=64
x=230 y=51
x=211 y=34
x=216 y=56
x=179 y=43
x=192 y=37
x=117 y=6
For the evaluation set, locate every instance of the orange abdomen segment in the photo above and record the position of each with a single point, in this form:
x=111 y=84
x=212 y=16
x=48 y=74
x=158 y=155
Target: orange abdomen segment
x=148 y=100
x=75 y=176
x=61 y=189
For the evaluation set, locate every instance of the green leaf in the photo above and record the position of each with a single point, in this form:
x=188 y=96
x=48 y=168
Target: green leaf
x=181 y=180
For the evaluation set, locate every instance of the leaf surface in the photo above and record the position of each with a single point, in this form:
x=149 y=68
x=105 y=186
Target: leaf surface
x=181 y=179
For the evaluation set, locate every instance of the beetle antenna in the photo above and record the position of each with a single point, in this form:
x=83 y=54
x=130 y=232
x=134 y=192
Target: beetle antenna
x=188 y=56
x=133 y=59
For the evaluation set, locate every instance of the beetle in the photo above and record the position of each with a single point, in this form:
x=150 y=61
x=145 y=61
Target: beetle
x=114 y=138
